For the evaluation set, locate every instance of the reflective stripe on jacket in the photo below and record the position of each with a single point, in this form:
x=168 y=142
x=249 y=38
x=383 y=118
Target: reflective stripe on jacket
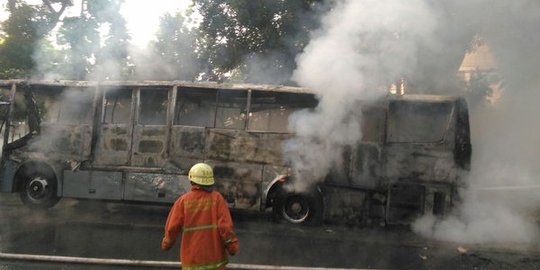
x=207 y=229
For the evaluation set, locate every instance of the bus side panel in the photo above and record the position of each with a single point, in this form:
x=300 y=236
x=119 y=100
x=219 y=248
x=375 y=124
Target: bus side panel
x=155 y=187
x=240 y=183
x=241 y=146
x=342 y=203
x=264 y=147
x=366 y=167
x=419 y=162
x=93 y=184
x=113 y=145
x=149 y=146
x=7 y=176
x=187 y=146
x=63 y=141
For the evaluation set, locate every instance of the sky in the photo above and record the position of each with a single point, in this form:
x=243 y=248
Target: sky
x=142 y=16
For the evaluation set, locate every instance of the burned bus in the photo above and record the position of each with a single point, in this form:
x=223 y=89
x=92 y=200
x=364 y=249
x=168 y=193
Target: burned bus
x=135 y=141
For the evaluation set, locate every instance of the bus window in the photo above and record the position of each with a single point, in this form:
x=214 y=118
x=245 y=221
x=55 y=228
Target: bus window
x=19 y=126
x=5 y=96
x=117 y=106
x=269 y=111
x=231 y=109
x=417 y=121
x=372 y=119
x=66 y=106
x=153 y=106
x=76 y=105
x=195 y=108
x=48 y=102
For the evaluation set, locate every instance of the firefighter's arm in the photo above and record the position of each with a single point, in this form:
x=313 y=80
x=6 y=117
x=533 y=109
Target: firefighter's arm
x=225 y=226
x=174 y=224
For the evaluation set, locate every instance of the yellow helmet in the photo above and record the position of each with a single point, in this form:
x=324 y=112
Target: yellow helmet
x=201 y=174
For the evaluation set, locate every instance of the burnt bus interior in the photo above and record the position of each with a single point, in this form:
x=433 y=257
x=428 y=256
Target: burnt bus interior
x=135 y=141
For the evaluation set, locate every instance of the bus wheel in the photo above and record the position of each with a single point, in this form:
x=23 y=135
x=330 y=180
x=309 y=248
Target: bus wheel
x=39 y=191
x=297 y=208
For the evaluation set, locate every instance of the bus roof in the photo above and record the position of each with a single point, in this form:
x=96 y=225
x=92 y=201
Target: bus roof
x=189 y=84
x=424 y=98
x=211 y=85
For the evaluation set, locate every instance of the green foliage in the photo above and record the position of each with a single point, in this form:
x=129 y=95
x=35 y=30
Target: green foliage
x=26 y=51
x=21 y=34
x=25 y=32
x=113 y=56
x=86 y=52
x=81 y=37
x=255 y=41
x=176 y=49
x=240 y=34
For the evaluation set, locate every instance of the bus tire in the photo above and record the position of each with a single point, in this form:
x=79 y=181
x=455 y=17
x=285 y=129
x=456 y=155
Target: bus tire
x=39 y=190
x=297 y=208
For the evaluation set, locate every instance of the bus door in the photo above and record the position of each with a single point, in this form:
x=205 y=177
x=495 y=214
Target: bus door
x=115 y=130
x=7 y=169
x=194 y=113
x=103 y=180
x=150 y=128
x=149 y=149
x=5 y=102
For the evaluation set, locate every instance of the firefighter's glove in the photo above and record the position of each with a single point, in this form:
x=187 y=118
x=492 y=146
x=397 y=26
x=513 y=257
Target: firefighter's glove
x=165 y=245
x=232 y=247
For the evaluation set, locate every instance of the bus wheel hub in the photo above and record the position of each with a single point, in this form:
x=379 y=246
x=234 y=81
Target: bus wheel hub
x=296 y=207
x=37 y=188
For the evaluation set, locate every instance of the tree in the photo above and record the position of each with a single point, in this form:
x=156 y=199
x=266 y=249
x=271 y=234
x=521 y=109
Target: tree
x=80 y=36
x=174 y=52
x=257 y=39
x=84 y=54
x=23 y=31
x=112 y=59
x=20 y=37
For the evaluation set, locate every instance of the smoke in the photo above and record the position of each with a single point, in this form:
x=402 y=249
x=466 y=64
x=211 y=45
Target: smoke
x=500 y=204
x=267 y=68
x=364 y=46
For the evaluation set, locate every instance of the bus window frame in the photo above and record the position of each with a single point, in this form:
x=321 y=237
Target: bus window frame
x=58 y=94
x=139 y=105
x=291 y=107
x=243 y=112
x=177 y=115
x=447 y=125
x=128 y=121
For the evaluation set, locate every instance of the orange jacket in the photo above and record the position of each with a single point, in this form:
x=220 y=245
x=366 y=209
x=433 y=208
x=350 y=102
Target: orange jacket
x=207 y=230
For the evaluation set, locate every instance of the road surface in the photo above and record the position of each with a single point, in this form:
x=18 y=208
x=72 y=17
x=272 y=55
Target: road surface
x=113 y=230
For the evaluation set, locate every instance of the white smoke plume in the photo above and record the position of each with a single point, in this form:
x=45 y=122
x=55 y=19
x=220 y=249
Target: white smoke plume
x=500 y=204
x=366 y=45
x=362 y=48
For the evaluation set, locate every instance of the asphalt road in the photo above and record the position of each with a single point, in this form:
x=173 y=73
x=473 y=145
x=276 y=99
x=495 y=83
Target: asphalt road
x=97 y=229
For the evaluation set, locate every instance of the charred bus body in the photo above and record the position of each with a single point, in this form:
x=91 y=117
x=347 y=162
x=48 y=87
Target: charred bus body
x=135 y=141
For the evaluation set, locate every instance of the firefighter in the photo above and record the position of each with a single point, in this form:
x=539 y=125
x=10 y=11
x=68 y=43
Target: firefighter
x=203 y=217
